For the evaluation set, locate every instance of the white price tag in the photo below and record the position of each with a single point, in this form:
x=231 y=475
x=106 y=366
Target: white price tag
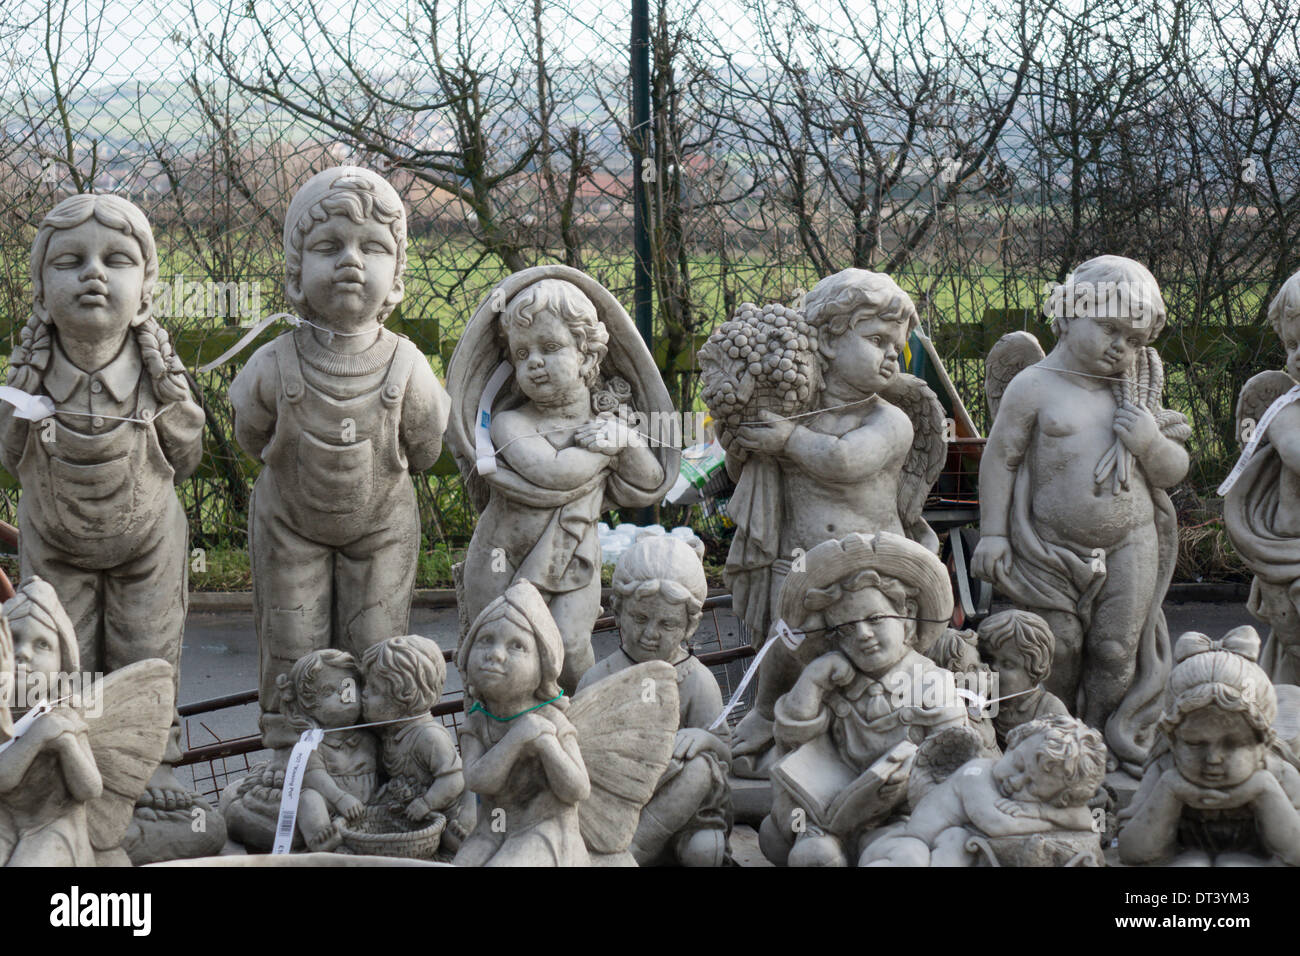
x=292 y=792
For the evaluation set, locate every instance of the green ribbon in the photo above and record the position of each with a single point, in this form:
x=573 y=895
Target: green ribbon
x=478 y=706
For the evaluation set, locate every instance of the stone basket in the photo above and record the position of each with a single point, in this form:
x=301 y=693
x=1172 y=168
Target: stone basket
x=381 y=832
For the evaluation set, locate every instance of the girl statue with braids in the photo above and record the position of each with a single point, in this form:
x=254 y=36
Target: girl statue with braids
x=1076 y=524
x=99 y=518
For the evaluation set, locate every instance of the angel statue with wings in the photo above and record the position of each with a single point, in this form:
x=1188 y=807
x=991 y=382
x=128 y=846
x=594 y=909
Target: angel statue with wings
x=1075 y=519
x=1261 y=507
x=559 y=781
x=555 y=399
x=71 y=769
x=825 y=436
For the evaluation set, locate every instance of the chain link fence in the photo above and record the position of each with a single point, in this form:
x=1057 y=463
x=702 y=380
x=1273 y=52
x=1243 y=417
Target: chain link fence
x=974 y=155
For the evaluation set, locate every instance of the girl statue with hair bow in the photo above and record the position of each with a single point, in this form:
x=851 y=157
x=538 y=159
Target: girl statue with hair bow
x=1219 y=790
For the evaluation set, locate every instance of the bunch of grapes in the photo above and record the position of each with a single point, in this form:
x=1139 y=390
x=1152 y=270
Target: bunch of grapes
x=760 y=358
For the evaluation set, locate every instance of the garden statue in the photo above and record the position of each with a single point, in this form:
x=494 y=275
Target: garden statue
x=863 y=613
x=559 y=414
x=1018 y=646
x=72 y=765
x=1219 y=789
x=1075 y=522
x=560 y=782
x=1026 y=808
x=826 y=436
x=98 y=424
x=1261 y=507
x=659 y=590
x=340 y=411
x=384 y=768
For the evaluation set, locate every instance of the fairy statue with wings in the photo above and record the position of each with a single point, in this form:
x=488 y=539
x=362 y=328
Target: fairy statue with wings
x=71 y=765
x=559 y=781
x=558 y=414
x=1261 y=507
x=825 y=436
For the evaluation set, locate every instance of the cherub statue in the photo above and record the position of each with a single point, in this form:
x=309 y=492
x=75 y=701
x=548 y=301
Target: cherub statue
x=98 y=426
x=403 y=679
x=868 y=606
x=1026 y=808
x=558 y=781
x=1219 y=789
x=340 y=411
x=825 y=436
x=69 y=782
x=547 y=382
x=1075 y=521
x=1018 y=645
x=1261 y=507
x=659 y=590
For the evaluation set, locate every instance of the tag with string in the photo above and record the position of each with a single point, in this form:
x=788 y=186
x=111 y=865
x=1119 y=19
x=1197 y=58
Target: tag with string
x=24 y=723
x=1247 y=453
x=485 y=454
x=33 y=408
x=292 y=791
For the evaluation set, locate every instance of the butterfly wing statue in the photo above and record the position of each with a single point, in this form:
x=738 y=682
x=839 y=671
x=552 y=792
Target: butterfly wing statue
x=128 y=734
x=1013 y=352
x=926 y=457
x=1256 y=396
x=627 y=725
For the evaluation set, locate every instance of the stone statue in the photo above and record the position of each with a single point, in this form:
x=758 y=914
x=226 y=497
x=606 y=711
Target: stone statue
x=659 y=590
x=69 y=778
x=1027 y=808
x=559 y=415
x=867 y=607
x=1075 y=521
x=1018 y=645
x=825 y=436
x=98 y=426
x=560 y=782
x=1261 y=507
x=1219 y=790
x=340 y=411
x=384 y=764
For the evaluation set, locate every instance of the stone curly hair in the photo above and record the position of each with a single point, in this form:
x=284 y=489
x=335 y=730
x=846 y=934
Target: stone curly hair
x=300 y=689
x=1071 y=752
x=570 y=305
x=1030 y=635
x=411 y=668
x=30 y=359
x=662 y=564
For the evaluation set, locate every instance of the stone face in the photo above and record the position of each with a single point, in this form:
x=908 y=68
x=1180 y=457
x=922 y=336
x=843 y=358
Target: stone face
x=865 y=611
x=864 y=464
x=1220 y=789
x=560 y=782
x=99 y=518
x=559 y=414
x=1075 y=521
x=659 y=589
x=339 y=411
x=70 y=778
x=1029 y=807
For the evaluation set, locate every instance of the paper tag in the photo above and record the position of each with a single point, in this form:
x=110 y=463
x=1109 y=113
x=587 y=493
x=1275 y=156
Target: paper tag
x=292 y=791
x=789 y=637
x=744 y=683
x=24 y=723
x=974 y=701
x=484 y=453
x=1279 y=403
x=31 y=407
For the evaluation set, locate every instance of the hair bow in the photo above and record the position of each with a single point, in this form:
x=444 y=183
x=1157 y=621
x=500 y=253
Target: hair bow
x=1242 y=641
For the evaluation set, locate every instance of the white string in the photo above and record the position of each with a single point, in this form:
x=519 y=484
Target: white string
x=981 y=703
x=815 y=411
x=373 y=723
x=1104 y=378
x=118 y=418
x=565 y=428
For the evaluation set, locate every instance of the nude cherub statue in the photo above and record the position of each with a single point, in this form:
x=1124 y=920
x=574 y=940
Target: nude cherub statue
x=69 y=777
x=826 y=436
x=1075 y=522
x=659 y=590
x=558 y=780
x=1219 y=789
x=323 y=689
x=847 y=731
x=1038 y=790
x=1261 y=507
x=547 y=382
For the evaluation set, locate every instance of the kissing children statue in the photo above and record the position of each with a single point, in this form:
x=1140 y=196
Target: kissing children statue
x=99 y=518
x=1075 y=521
x=340 y=411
